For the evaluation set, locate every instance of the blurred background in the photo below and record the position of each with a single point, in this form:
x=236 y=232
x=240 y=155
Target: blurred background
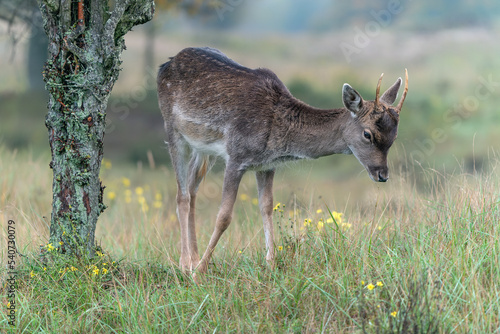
x=450 y=120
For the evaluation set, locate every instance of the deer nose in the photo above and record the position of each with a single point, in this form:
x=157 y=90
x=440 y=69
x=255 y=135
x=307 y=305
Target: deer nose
x=383 y=176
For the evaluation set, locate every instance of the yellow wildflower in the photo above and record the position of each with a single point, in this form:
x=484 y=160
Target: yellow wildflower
x=307 y=222
x=139 y=191
x=277 y=206
x=157 y=204
x=370 y=286
x=73 y=268
x=380 y=284
x=394 y=314
x=319 y=211
x=141 y=199
x=244 y=197
x=362 y=282
x=379 y=228
x=61 y=243
x=104 y=271
x=337 y=216
x=158 y=196
x=320 y=225
x=50 y=248
x=95 y=271
x=125 y=182
x=99 y=253
x=111 y=195
x=32 y=274
x=255 y=201
x=280 y=248
x=329 y=220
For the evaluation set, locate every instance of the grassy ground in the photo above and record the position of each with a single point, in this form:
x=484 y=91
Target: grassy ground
x=402 y=258
x=418 y=254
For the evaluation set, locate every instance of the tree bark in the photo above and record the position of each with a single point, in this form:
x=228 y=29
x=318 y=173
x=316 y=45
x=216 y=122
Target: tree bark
x=83 y=64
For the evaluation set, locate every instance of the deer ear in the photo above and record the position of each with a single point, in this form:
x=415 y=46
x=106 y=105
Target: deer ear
x=352 y=100
x=390 y=95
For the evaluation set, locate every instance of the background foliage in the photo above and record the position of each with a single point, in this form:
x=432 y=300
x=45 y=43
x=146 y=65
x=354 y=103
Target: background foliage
x=449 y=54
x=429 y=236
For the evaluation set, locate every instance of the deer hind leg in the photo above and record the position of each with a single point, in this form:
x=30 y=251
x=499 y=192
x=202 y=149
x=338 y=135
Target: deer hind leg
x=265 y=188
x=198 y=168
x=232 y=178
x=177 y=148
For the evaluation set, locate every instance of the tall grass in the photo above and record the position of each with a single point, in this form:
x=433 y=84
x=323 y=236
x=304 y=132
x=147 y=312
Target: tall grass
x=401 y=258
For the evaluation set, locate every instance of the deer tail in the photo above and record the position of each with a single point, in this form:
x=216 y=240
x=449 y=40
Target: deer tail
x=202 y=171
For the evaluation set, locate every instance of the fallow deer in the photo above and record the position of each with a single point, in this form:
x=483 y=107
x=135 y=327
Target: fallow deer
x=214 y=107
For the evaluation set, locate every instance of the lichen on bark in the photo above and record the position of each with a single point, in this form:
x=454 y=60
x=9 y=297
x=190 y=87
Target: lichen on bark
x=81 y=69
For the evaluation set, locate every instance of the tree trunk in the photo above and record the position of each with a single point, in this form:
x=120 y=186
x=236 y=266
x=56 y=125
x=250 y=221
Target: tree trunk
x=85 y=46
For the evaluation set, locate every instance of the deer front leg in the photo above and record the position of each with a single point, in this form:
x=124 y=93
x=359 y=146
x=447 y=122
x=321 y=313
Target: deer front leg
x=232 y=178
x=265 y=188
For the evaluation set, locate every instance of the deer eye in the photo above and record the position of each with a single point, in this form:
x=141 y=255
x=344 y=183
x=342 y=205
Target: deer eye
x=367 y=135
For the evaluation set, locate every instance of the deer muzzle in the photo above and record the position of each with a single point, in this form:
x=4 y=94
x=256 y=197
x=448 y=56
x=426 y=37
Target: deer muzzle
x=379 y=174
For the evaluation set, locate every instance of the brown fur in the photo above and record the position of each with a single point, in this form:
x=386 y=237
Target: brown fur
x=213 y=106
x=202 y=172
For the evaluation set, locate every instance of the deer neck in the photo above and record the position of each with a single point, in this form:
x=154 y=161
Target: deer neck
x=314 y=132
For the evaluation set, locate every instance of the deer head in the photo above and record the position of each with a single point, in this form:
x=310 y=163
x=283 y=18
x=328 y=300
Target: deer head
x=373 y=126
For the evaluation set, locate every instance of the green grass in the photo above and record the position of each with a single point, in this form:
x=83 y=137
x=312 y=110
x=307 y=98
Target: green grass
x=433 y=249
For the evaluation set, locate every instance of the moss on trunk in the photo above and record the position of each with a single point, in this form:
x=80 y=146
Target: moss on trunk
x=82 y=67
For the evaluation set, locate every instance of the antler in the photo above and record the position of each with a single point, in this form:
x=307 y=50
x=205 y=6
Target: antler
x=378 y=90
x=400 y=104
